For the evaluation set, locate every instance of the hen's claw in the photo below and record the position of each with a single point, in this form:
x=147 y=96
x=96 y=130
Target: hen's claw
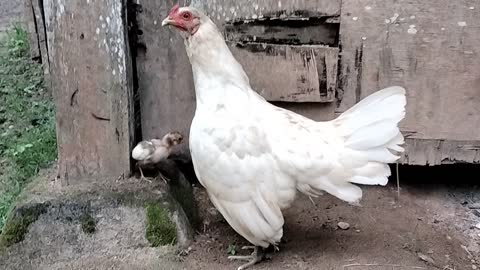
x=254 y=258
x=142 y=177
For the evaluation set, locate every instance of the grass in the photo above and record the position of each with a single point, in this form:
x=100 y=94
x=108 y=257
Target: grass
x=160 y=229
x=27 y=119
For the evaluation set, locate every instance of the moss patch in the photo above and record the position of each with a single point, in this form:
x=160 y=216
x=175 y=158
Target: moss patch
x=88 y=224
x=18 y=222
x=160 y=228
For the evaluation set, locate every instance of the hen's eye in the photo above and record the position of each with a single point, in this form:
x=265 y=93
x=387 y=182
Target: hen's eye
x=186 y=16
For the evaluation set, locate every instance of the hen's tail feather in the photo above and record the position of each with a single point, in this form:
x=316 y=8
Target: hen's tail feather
x=373 y=122
x=370 y=128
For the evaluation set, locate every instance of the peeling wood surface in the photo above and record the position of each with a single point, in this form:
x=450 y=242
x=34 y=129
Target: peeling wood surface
x=167 y=94
x=92 y=87
x=429 y=47
x=231 y=10
x=298 y=73
x=436 y=152
x=305 y=31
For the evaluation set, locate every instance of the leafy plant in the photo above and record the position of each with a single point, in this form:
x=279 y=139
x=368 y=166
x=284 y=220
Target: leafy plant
x=27 y=119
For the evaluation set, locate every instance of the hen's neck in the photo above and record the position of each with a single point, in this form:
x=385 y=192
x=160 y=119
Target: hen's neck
x=216 y=73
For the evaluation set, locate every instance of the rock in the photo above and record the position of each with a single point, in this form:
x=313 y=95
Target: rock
x=425 y=258
x=477 y=225
x=343 y=225
x=98 y=225
x=474 y=267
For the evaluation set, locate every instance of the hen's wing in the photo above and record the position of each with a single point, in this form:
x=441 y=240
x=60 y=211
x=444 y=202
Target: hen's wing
x=234 y=162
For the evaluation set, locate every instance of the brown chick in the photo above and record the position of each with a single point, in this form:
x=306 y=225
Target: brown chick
x=151 y=152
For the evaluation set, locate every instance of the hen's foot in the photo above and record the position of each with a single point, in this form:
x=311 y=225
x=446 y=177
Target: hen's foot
x=142 y=177
x=256 y=257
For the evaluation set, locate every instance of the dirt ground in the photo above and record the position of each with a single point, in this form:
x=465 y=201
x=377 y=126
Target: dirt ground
x=430 y=226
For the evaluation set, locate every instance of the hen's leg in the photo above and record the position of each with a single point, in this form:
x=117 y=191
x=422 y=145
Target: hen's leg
x=142 y=177
x=256 y=257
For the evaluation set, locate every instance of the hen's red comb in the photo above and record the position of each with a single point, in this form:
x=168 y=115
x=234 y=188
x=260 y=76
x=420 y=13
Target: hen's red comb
x=174 y=10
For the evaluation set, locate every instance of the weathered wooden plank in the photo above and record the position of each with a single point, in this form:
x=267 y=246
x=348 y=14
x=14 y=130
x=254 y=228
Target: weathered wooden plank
x=92 y=87
x=289 y=73
x=231 y=10
x=31 y=27
x=305 y=31
x=167 y=95
x=41 y=34
x=430 y=48
x=436 y=152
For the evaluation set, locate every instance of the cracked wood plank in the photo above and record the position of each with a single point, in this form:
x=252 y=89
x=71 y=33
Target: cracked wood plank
x=92 y=87
x=297 y=73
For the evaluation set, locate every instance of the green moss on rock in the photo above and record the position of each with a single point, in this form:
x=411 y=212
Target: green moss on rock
x=18 y=222
x=161 y=230
x=88 y=224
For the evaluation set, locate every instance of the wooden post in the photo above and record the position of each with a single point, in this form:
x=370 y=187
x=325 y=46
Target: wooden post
x=91 y=77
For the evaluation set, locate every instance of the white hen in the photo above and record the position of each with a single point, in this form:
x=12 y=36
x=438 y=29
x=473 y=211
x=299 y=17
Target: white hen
x=252 y=157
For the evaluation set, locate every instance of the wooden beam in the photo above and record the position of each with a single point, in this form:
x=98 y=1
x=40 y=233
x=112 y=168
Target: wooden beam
x=92 y=85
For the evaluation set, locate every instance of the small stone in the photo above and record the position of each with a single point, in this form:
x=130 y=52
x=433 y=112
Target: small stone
x=343 y=225
x=474 y=266
x=436 y=221
x=477 y=225
x=425 y=258
x=357 y=231
x=430 y=251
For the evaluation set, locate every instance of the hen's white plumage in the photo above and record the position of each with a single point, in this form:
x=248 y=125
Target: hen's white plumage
x=252 y=156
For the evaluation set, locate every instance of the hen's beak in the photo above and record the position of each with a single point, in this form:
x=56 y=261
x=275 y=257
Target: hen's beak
x=167 y=21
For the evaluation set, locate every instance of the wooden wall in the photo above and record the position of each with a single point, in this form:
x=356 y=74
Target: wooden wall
x=432 y=48
x=429 y=47
x=340 y=50
x=91 y=79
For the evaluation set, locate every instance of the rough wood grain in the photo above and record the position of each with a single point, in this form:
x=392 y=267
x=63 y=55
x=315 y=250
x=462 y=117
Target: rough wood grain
x=41 y=34
x=230 y=10
x=92 y=87
x=167 y=95
x=31 y=27
x=436 y=152
x=297 y=73
x=430 y=48
x=305 y=31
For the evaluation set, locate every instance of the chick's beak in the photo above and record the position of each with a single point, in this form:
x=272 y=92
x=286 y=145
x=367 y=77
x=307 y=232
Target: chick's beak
x=167 y=21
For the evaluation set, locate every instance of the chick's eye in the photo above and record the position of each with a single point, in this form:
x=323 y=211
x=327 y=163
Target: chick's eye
x=186 y=16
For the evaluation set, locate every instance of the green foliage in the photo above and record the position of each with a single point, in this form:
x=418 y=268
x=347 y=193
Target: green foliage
x=232 y=249
x=88 y=224
x=160 y=230
x=18 y=223
x=27 y=119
